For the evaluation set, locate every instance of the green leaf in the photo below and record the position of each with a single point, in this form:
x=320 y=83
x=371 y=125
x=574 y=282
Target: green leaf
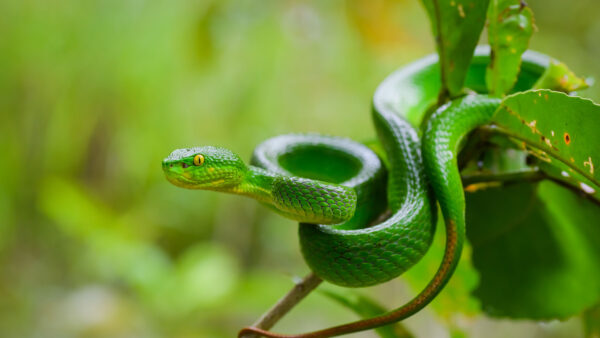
x=456 y=25
x=537 y=249
x=560 y=78
x=560 y=130
x=366 y=308
x=509 y=30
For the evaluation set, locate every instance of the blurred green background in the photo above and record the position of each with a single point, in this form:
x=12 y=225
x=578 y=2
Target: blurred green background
x=94 y=242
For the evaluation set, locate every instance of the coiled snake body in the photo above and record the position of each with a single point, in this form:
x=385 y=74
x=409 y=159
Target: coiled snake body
x=335 y=187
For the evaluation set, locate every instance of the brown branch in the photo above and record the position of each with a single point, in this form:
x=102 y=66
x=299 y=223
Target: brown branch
x=286 y=303
x=511 y=177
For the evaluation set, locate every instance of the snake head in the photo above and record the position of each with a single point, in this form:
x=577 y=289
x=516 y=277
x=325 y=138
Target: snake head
x=208 y=168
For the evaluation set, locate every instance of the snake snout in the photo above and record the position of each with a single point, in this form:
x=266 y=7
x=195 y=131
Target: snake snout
x=167 y=165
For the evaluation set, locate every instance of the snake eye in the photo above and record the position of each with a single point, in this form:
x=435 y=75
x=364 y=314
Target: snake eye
x=198 y=160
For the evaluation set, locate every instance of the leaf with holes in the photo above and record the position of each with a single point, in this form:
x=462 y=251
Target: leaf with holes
x=456 y=24
x=509 y=30
x=560 y=130
x=537 y=250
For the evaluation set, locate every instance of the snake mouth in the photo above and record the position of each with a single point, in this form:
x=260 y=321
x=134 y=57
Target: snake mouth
x=180 y=180
x=175 y=175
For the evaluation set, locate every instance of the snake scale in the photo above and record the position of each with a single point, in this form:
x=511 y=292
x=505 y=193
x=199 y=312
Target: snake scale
x=336 y=187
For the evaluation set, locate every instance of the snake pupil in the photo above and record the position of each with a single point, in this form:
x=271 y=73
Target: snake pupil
x=198 y=160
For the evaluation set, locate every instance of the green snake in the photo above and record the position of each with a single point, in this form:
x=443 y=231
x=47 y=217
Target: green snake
x=336 y=188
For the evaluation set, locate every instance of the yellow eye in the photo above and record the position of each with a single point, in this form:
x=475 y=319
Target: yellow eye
x=198 y=160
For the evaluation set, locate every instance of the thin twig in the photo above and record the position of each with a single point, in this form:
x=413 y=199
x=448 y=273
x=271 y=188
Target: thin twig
x=512 y=177
x=286 y=303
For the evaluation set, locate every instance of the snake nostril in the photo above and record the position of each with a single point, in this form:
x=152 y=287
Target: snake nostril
x=184 y=165
x=171 y=165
